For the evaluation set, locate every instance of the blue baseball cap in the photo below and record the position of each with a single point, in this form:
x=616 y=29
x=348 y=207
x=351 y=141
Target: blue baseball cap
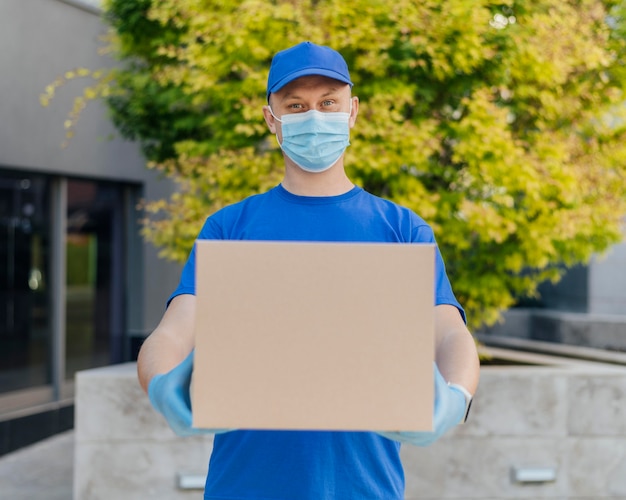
x=306 y=59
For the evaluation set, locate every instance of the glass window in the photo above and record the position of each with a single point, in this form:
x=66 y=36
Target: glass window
x=25 y=331
x=94 y=295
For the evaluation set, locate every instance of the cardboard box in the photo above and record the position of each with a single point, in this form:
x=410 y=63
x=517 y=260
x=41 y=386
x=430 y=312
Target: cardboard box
x=324 y=336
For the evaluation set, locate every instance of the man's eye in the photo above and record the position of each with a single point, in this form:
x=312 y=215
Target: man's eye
x=328 y=102
x=295 y=106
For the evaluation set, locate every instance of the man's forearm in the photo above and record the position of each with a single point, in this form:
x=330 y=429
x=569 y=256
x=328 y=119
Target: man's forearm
x=455 y=349
x=457 y=360
x=158 y=355
x=171 y=341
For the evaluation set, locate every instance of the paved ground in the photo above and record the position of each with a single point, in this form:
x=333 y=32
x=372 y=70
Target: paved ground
x=42 y=470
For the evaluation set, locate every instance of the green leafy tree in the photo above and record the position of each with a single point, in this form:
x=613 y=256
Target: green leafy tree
x=501 y=123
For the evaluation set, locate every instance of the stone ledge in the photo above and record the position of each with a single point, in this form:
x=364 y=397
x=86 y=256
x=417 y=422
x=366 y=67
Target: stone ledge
x=600 y=331
x=543 y=413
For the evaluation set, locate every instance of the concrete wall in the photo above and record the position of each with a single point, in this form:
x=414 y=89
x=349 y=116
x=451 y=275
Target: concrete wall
x=598 y=331
x=607 y=282
x=586 y=308
x=39 y=41
x=558 y=417
x=598 y=288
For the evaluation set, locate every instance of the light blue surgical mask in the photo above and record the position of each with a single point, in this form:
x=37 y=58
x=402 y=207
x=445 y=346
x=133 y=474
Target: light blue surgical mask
x=314 y=140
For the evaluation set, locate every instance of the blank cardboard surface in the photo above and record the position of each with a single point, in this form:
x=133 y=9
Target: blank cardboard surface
x=320 y=336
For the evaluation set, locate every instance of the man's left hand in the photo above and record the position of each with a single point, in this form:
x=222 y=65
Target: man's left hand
x=449 y=412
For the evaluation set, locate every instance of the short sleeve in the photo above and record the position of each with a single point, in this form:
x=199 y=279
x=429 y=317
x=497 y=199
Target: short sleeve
x=443 y=288
x=187 y=283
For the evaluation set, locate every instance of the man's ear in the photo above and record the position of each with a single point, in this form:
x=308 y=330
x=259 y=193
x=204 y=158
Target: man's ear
x=269 y=119
x=355 y=111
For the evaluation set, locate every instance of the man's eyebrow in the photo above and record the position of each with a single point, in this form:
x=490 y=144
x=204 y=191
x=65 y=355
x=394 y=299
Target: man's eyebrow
x=295 y=95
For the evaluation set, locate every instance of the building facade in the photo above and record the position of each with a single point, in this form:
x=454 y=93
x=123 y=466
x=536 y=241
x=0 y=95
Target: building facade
x=78 y=286
x=586 y=308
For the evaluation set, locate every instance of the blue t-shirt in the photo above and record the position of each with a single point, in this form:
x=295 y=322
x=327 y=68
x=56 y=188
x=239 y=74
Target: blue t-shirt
x=311 y=465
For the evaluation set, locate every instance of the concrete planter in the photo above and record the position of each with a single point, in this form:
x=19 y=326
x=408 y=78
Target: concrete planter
x=549 y=428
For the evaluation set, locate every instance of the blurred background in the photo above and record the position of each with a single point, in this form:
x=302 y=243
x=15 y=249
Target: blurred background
x=79 y=285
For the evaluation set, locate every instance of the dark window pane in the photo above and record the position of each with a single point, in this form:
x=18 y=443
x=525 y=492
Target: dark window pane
x=24 y=292
x=94 y=298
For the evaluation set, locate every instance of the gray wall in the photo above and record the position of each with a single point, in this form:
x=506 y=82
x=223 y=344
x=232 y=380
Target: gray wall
x=40 y=40
x=597 y=289
x=607 y=282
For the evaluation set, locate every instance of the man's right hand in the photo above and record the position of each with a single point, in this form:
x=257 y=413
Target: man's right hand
x=169 y=395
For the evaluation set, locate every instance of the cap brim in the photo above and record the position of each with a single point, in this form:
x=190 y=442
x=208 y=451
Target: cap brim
x=308 y=72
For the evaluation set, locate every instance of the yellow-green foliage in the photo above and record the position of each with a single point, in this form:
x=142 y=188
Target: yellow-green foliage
x=500 y=123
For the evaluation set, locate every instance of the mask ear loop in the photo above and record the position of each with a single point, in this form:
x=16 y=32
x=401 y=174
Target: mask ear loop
x=278 y=120
x=272 y=113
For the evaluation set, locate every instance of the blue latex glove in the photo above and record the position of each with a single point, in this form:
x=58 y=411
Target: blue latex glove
x=169 y=395
x=449 y=412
